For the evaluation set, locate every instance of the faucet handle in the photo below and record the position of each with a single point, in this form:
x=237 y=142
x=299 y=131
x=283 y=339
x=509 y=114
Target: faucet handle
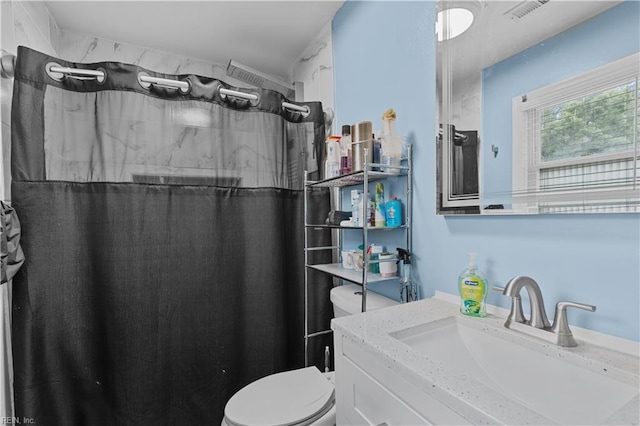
x=564 y=305
x=561 y=325
x=496 y=288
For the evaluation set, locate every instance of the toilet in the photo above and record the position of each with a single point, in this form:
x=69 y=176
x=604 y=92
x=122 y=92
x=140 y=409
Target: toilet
x=298 y=397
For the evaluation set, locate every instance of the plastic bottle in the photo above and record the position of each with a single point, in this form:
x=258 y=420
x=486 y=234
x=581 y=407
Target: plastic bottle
x=377 y=152
x=345 y=150
x=394 y=212
x=473 y=290
x=356 y=209
x=371 y=213
x=332 y=159
x=380 y=213
x=391 y=142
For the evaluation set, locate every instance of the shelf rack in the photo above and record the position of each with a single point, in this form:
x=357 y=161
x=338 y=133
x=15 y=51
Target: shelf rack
x=370 y=173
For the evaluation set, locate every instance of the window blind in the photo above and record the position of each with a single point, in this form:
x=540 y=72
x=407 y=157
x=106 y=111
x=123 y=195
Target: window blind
x=580 y=139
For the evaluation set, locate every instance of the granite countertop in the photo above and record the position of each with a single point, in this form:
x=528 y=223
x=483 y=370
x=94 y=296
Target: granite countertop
x=475 y=401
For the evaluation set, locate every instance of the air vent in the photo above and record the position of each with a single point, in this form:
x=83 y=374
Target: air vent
x=248 y=77
x=258 y=79
x=525 y=8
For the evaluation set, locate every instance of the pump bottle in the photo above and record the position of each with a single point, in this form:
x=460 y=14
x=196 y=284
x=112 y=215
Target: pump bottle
x=473 y=290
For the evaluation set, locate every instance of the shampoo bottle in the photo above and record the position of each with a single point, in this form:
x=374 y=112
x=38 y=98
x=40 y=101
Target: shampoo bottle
x=473 y=290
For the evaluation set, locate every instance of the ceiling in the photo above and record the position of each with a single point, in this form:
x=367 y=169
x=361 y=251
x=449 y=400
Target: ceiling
x=268 y=36
x=497 y=33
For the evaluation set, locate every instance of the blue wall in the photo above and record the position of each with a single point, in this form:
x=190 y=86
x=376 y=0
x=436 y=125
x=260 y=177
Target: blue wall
x=384 y=56
x=611 y=35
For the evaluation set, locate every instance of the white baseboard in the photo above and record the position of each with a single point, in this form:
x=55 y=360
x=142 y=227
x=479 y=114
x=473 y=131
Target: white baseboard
x=594 y=337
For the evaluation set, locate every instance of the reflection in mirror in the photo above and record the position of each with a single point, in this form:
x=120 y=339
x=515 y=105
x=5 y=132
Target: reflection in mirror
x=551 y=88
x=459 y=192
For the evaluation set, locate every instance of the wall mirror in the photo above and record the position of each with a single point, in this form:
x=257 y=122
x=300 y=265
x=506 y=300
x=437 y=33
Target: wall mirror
x=538 y=106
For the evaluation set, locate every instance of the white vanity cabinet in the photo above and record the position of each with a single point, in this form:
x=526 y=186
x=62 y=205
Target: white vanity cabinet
x=368 y=392
x=425 y=363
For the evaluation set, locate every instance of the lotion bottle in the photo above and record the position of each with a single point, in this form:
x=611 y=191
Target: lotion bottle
x=473 y=290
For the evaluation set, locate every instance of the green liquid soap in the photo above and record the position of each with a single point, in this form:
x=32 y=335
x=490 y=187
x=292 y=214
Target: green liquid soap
x=473 y=290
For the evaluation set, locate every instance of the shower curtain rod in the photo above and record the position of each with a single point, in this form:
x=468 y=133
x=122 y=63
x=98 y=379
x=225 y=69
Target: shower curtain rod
x=58 y=73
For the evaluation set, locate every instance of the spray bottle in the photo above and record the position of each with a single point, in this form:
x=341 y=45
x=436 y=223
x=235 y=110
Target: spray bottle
x=408 y=290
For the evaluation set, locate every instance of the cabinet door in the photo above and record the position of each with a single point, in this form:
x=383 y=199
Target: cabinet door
x=369 y=392
x=368 y=402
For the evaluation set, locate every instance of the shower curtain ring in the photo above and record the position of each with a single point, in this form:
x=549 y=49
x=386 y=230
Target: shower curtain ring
x=141 y=82
x=146 y=81
x=101 y=79
x=224 y=93
x=57 y=76
x=185 y=90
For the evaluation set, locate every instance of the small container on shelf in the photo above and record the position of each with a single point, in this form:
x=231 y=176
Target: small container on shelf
x=388 y=266
x=394 y=213
x=380 y=209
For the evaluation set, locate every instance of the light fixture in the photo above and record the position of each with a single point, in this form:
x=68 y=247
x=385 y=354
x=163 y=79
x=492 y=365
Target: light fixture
x=458 y=20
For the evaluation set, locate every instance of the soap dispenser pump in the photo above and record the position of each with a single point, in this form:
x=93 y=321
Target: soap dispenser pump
x=473 y=290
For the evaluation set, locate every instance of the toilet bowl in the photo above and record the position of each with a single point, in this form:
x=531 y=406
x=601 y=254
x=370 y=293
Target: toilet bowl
x=298 y=397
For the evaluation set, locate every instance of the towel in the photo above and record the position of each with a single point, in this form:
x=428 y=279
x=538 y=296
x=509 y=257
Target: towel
x=11 y=255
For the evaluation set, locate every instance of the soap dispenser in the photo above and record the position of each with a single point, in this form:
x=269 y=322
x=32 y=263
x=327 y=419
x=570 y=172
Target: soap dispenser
x=473 y=290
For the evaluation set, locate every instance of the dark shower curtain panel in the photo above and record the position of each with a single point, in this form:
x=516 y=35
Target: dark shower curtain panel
x=151 y=303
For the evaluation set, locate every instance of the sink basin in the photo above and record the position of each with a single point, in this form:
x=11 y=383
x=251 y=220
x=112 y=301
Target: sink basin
x=553 y=383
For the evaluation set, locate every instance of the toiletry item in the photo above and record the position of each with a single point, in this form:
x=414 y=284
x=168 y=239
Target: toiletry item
x=391 y=142
x=473 y=290
x=332 y=158
x=408 y=288
x=345 y=150
x=347 y=259
x=377 y=153
x=356 y=208
x=388 y=266
x=361 y=140
x=371 y=213
x=380 y=219
x=344 y=165
x=374 y=252
x=358 y=260
x=388 y=121
x=394 y=212
x=345 y=140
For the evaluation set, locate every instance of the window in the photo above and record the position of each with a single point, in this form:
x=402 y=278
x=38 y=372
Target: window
x=576 y=143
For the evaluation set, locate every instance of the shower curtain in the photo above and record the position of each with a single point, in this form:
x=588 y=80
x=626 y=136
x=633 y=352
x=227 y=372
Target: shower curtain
x=163 y=236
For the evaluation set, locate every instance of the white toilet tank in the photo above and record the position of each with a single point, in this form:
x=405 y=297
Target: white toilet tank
x=347 y=300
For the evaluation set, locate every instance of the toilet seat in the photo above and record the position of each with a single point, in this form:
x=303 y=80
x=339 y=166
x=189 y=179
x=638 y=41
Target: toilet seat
x=297 y=397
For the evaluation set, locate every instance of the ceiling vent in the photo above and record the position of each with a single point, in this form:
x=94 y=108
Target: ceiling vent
x=525 y=8
x=258 y=79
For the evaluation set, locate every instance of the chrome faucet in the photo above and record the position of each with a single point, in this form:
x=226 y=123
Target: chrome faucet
x=558 y=332
x=538 y=317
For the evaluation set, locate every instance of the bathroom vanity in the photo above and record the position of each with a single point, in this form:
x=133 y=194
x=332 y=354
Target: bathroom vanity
x=425 y=363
